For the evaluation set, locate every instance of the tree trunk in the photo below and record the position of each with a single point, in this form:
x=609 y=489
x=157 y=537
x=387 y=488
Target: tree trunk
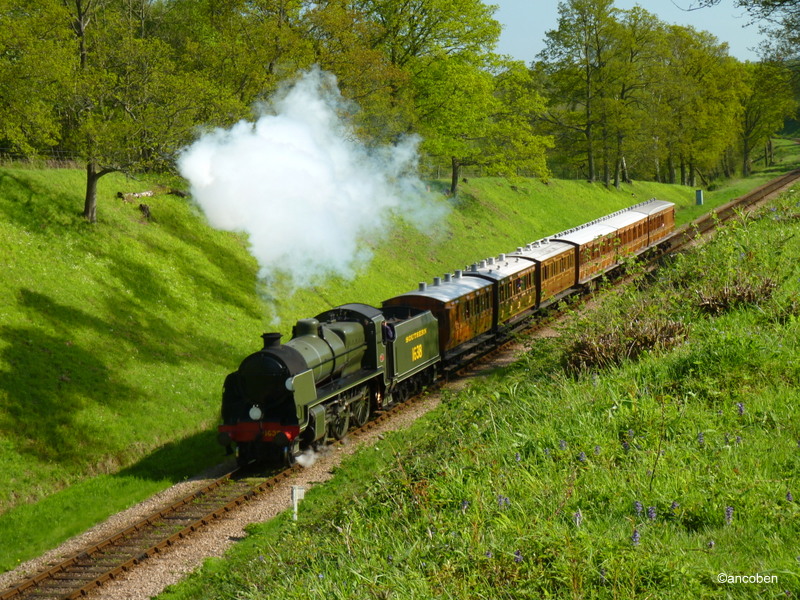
x=746 y=157
x=590 y=153
x=90 y=201
x=456 y=171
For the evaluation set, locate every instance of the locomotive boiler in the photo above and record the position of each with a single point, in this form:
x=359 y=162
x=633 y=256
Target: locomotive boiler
x=335 y=371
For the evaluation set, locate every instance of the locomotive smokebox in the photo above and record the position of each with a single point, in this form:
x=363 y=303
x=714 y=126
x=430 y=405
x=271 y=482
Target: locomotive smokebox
x=271 y=340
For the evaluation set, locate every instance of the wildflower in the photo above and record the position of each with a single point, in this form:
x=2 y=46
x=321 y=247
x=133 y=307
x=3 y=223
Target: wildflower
x=562 y=444
x=789 y=497
x=625 y=445
x=635 y=537
x=489 y=554
x=630 y=433
x=597 y=450
x=547 y=451
x=651 y=513
x=701 y=438
x=738 y=440
x=674 y=505
x=321 y=576
x=740 y=407
x=578 y=518
x=390 y=558
x=638 y=507
x=464 y=505
x=517 y=556
x=518 y=457
x=603 y=580
x=582 y=457
x=710 y=544
x=503 y=501
x=728 y=514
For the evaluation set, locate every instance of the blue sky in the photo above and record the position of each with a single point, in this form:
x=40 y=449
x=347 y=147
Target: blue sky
x=526 y=21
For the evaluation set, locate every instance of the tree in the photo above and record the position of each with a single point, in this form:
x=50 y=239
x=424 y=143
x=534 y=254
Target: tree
x=131 y=106
x=767 y=101
x=344 y=44
x=33 y=73
x=781 y=20
x=577 y=58
x=699 y=92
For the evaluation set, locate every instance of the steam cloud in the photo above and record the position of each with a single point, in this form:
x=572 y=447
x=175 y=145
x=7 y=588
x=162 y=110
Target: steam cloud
x=302 y=186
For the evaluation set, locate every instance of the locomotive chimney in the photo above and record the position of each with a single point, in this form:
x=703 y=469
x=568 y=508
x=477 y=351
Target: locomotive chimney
x=271 y=340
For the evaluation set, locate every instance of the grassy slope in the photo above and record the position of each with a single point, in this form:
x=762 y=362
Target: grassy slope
x=648 y=479
x=116 y=337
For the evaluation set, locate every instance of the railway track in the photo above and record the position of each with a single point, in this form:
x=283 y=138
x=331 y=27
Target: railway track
x=87 y=570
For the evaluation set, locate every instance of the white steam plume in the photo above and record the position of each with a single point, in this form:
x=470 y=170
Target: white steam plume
x=301 y=185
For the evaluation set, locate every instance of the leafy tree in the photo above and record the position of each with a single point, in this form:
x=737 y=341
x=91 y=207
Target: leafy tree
x=247 y=47
x=132 y=106
x=768 y=100
x=344 y=44
x=781 y=19
x=33 y=73
x=577 y=58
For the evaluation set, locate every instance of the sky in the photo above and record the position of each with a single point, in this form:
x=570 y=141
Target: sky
x=526 y=21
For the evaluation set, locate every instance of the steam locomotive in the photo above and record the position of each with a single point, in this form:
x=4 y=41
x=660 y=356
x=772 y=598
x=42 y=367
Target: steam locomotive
x=348 y=362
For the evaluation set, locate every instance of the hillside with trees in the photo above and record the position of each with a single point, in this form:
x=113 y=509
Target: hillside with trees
x=617 y=95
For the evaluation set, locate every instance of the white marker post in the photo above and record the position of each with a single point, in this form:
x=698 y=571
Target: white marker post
x=298 y=493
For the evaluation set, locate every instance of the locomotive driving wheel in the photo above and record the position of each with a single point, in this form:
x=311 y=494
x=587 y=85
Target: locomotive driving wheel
x=359 y=410
x=339 y=425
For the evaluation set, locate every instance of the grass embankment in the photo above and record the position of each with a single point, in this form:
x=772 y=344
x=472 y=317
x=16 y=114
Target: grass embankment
x=602 y=477
x=116 y=336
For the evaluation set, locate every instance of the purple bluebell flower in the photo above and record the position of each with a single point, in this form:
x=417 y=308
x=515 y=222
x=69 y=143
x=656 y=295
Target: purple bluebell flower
x=728 y=514
x=738 y=440
x=630 y=433
x=390 y=558
x=651 y=513
x=464 y=505
x=625 y=445
x=562 y=444
x=547 y=451
x=701 y=438
x=517 y=556
x=635 y=537
x=710 y=544
x=503 y=501
x=603 y=580
x=637 y=506
x=740 y=407
x=518 y=457
x=578 y=518
x=789 y=497
x=597 y=450
x=674 y=505
x=582 y=457
x=488 y=554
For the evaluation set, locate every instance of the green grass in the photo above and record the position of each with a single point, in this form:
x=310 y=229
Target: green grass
x=116 y=337
x=647 y=479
